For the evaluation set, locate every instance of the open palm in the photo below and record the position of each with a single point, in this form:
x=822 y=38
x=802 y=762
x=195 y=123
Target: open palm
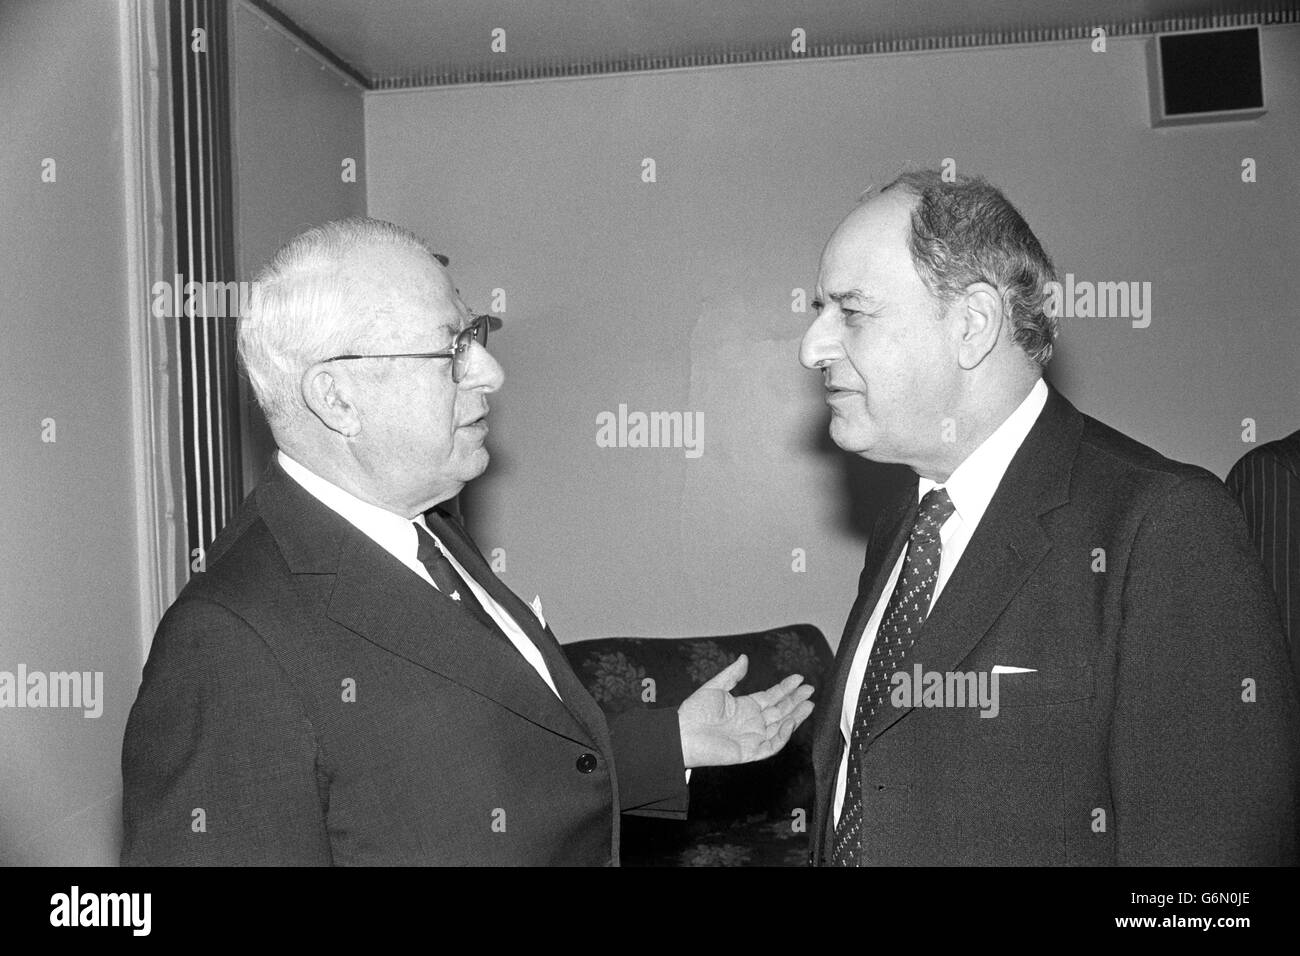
x=719 y=729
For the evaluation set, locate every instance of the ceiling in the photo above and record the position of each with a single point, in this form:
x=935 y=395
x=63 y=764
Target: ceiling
x=431 y=41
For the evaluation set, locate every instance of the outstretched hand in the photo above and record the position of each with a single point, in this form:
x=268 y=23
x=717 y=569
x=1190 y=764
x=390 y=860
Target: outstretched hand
x=719 y=729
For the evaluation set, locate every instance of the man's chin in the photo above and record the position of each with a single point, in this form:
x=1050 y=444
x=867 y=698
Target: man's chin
x=849 y=438
x=870 y=450
x=474 y=464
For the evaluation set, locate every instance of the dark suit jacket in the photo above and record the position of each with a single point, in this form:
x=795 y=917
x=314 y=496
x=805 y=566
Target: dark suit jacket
x=1266 y=483
x=242 y=746
x=1130 y=743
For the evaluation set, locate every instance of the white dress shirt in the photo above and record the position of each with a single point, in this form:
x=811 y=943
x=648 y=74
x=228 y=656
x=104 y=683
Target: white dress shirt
x=971 y=487
x=398 y=537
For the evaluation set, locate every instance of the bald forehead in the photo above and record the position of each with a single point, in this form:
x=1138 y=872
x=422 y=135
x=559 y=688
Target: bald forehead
x=870 y=246
x=409 y=285
x=403 y=270
x=881 y=221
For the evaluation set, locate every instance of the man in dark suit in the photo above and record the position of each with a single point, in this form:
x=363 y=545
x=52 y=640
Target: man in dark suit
x=1266 y=483
x=348 y=682
x=1063 y=649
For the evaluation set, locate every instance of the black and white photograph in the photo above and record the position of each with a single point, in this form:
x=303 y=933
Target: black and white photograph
x=651 y=434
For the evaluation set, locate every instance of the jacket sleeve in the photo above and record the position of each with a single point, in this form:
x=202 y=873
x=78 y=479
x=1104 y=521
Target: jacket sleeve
x=219 y=760
x=648 y=760
x=1268 y=492
x=1202 y=748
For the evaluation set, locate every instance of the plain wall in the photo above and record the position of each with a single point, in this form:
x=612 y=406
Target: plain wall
x=293 y=121
x=68 y=587
x=676 y=296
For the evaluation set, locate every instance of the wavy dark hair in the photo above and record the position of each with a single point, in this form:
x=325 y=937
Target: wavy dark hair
x=966 y=231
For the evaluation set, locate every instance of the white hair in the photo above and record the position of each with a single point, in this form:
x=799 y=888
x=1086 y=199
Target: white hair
x=305 y=307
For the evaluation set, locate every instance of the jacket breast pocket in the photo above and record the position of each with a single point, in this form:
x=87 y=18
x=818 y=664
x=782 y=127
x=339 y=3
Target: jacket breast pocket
x=1045 y=687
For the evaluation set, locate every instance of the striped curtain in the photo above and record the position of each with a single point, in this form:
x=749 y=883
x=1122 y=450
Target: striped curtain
x=206 y=369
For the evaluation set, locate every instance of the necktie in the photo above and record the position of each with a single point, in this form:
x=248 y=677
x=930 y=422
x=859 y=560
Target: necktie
x=899 y=628
x=444 y=575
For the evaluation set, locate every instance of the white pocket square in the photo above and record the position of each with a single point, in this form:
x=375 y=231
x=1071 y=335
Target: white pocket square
x=1004 y=669
x=537 y=609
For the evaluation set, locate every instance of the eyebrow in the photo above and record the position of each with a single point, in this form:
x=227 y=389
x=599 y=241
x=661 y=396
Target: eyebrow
x=449 y=328
x=839 y=297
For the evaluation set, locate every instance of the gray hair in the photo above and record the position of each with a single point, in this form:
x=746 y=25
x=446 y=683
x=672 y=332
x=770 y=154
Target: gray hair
x=304 y=308
x=967 y=231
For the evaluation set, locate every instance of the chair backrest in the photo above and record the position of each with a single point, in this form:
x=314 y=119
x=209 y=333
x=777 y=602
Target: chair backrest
x=625 y=672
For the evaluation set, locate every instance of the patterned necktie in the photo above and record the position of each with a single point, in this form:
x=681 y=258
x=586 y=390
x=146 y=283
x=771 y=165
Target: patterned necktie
x=447 y=579
x=899 y=628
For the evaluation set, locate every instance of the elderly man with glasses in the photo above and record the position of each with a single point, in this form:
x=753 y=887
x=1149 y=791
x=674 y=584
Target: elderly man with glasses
x=348 y=682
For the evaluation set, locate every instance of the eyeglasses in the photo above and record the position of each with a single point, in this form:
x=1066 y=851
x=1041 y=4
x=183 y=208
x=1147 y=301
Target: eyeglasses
x=476 y=331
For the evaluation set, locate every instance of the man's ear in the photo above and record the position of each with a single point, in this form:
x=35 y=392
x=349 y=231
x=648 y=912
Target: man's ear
x=332 y=399
x=980 y=316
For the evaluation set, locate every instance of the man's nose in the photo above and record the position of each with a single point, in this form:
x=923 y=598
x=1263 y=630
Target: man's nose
x=484 y=372
x=821 y=343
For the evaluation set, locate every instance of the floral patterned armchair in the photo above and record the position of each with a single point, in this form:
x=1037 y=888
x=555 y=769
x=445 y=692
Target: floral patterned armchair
x=752 y=815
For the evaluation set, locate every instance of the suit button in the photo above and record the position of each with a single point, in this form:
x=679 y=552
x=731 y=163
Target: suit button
x=586 y=763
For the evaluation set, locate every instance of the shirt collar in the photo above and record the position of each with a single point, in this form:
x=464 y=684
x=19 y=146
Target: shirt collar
x=972 y=484
x=390 y=531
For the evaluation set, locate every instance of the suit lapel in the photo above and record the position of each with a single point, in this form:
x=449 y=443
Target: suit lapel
x=882 y=552
x=382 y=601
x=580 y=704
x=895 y=525
x=1009 y=543
x=1005 y=549
x=888 y=539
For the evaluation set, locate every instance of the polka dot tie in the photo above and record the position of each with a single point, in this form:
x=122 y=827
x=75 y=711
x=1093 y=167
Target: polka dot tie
x=899 y=628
